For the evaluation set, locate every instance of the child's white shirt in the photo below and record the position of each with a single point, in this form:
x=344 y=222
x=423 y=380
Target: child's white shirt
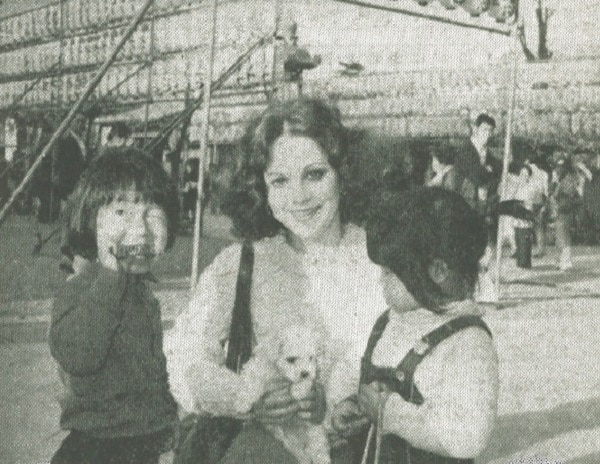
x=458 y=381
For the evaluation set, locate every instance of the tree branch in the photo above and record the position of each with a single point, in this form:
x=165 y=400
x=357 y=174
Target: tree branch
x=543 y=15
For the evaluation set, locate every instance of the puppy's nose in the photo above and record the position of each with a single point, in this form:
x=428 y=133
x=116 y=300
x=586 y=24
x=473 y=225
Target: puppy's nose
x=304 y=374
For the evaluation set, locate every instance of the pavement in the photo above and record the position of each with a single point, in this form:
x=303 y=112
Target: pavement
x=545 y=328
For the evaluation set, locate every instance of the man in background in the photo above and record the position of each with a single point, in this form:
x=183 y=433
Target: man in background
x=478 y=172
x=478 y=175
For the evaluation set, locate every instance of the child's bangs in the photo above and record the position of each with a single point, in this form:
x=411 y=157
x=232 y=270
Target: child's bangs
x=134 y=185
x=117 y=175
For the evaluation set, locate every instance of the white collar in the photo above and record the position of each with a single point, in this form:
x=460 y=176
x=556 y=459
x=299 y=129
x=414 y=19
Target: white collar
x=481 y=150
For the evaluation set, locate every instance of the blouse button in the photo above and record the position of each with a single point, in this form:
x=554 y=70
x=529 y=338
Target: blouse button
x=400 y=375
x=421 y=348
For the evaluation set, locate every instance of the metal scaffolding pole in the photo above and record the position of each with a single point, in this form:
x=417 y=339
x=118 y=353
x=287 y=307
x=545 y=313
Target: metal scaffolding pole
x=71 y=115
x=416 y=14
x=204 y=144
x=195 y=104
x=507 y=146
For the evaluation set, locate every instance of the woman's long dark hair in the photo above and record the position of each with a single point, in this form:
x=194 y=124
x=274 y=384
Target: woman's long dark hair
x=246 y=202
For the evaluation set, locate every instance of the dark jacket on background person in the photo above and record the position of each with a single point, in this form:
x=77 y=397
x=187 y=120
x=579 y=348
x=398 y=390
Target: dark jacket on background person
x=106 y=335
x=472 y=175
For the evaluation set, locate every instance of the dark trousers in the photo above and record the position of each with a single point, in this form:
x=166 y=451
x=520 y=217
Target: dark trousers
x=524 y=241
x=79 y=448
x=256 y=445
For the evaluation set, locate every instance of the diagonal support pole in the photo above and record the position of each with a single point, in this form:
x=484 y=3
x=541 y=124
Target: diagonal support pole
x=71 y=115
x=416 y=14
x=217 y=83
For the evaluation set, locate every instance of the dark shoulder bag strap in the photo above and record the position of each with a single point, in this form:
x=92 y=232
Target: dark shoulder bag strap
x=240 y=333
x=209 y=437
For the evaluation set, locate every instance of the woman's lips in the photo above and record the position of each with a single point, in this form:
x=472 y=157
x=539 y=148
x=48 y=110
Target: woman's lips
x=304 y=214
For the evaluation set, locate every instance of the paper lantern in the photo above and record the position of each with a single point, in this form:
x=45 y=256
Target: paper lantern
x=448 y=4
x=475 y=7
x=501 y=10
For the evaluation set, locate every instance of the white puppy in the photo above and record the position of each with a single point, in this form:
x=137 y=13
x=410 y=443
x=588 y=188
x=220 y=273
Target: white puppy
x=293 y=355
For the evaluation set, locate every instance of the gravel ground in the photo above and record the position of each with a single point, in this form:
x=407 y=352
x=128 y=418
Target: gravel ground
x=549 y=403
x=546 y=335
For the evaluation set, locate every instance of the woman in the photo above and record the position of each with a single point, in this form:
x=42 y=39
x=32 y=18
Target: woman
x=311 y=267
x=568 y=184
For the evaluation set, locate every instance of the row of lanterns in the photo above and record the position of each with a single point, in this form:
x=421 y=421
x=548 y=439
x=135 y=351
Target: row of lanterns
x=123 y=82
x=74 y=15
x=500 y=10
x=171 y=33
x=170 y=78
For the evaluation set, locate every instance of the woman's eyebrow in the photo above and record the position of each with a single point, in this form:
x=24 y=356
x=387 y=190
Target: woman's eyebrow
x=274 y=173
x=316 y=165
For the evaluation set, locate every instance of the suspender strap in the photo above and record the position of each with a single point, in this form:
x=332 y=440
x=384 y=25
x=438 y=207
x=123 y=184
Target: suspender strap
x=240 y=332
x=406 y=369
x=400 y=379
x=376 y=333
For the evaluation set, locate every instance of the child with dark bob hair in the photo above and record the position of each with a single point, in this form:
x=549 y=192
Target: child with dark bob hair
x=429 y=374
x=247 y=203
x=117 y=170
x=106 y=332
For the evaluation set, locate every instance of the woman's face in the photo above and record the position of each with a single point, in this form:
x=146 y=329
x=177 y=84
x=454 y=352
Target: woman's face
x=302 y=189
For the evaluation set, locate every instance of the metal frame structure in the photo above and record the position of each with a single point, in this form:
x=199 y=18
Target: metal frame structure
x=209 y=86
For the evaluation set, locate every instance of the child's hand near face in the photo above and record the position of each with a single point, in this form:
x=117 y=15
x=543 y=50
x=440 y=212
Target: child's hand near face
x=130 y=234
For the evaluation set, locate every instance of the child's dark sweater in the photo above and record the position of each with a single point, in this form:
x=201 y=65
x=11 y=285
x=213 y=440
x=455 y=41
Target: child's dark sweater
x=106 y=336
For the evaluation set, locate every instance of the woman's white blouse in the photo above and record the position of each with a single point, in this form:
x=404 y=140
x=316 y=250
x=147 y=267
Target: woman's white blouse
x=334 y=290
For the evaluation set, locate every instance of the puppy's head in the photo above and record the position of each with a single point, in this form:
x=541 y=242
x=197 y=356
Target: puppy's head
x=298 y=353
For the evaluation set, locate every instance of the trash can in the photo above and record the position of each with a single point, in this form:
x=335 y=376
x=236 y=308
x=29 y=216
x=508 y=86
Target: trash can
x=524 y=242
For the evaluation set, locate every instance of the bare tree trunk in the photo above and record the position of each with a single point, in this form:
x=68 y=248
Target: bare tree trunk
x=543 y=15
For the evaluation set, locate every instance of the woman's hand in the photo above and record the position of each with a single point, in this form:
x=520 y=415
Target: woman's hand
x=347 y=418
x=275 y=406
x=314 y=406
x=80 y=265
x=370 y=397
